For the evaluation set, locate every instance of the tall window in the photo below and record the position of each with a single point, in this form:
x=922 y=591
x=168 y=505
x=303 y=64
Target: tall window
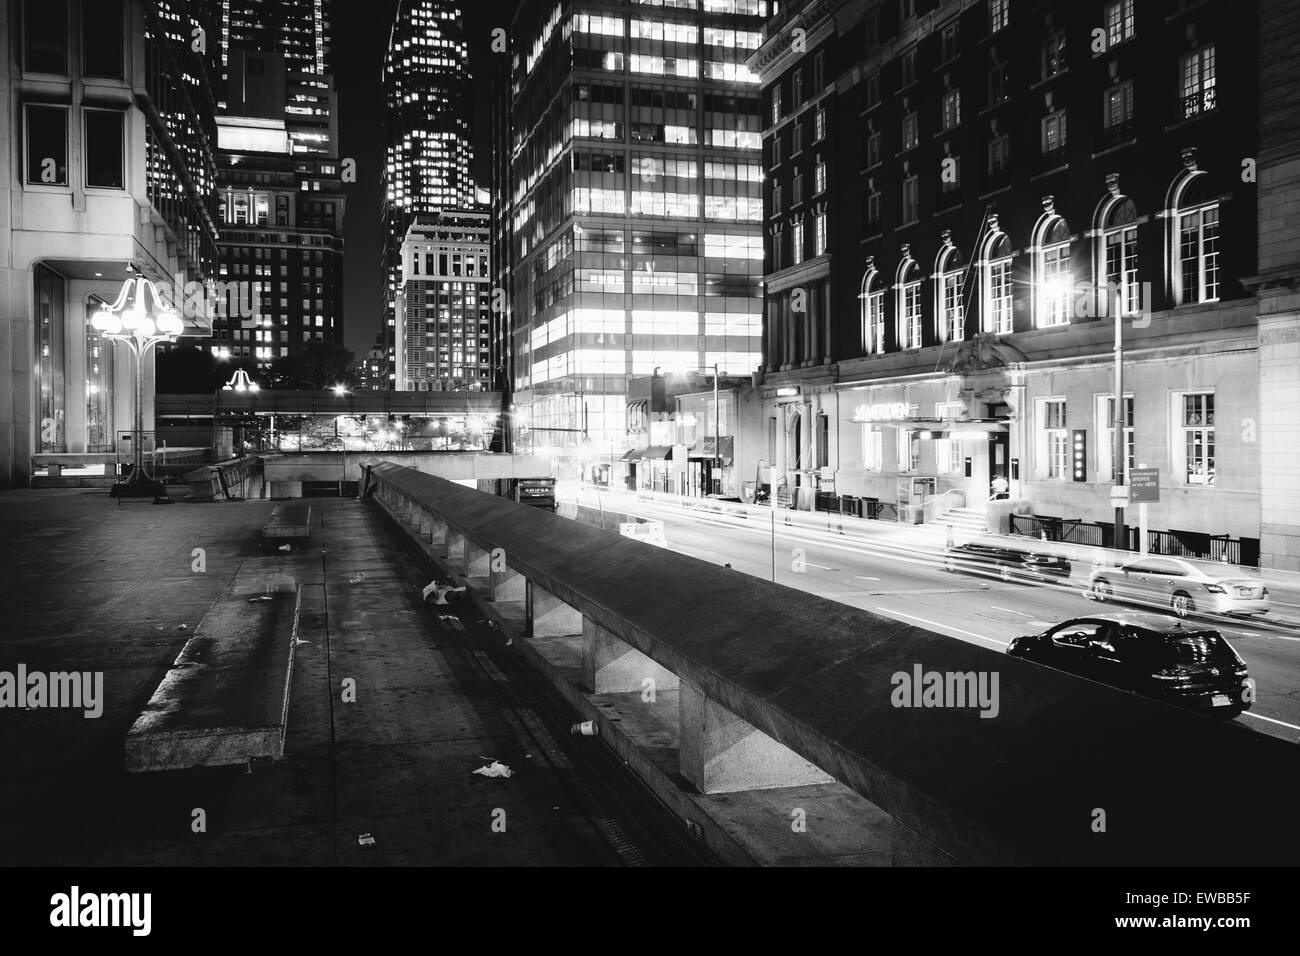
x=911 y=135
x=1117 y=113
x=1197 y=426
x=47 y=145
x=50 y=368
x=1198 y=245
x=999 y=10
x=796 y=81
x=45 y=36
x=1120 y=23
x=948 y=40
x=873 y=148
x=950 y=114
x=907 y=449
x=997 y=286
x=776 y=196
x=999 y=158
x=872 y=304
x=908 y=68
x=949 y=273
x=776 y=103
x=1054 y=441
x=819 y=177
x=1053 y=56
x=909 y=305
x=1198 y=82
x=102 y=35
x=819 y=234
x=911 y=200
x=1106 y=429
x=819 y=71
x=1119 y=238
x=104 y=153
x=1054 y=139
x=819 y=126
x=796 y=242
x=875 y=204
x=1055 y=280
x=998 y=84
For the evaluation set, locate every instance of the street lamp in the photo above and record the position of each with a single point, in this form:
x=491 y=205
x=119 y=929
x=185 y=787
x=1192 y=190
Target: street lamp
x=132 y=320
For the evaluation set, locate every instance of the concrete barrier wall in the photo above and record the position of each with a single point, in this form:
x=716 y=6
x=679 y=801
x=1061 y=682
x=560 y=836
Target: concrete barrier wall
x=454 y=466
x=1059 y=771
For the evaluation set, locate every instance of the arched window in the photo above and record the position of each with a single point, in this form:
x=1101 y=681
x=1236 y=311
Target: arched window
x=949 y=309
x=1195 y=247
x=1117 y=256
x=995 y=296
x=907 y=295
x=871 y=301
x=1053 y=278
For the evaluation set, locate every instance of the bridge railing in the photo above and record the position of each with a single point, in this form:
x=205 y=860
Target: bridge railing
x=778 y=687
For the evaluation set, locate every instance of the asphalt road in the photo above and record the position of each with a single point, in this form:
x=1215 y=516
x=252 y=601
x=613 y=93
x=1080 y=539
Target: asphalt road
x=900 y=580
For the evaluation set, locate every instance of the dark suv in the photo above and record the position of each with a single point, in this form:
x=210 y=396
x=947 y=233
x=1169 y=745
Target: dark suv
x=1149 y=655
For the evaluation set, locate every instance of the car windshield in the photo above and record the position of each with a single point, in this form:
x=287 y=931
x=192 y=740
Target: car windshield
x=1199 y=647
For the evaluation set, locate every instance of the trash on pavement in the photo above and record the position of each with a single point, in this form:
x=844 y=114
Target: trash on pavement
x=365 y=839
x=438 y=593
x=495 y=769
x=587 y=728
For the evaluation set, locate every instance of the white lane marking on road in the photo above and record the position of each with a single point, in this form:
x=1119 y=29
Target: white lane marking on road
x=1011 y=609
x=948 y=627
x=819 y=566
x=1271 y=720
x=865 y=577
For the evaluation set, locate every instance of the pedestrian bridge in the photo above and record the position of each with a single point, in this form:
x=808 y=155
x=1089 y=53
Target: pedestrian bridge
x=725 y=691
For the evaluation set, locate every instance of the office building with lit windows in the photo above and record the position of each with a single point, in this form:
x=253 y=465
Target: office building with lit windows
x=443 y=305
x=300 y=34
x=280 y=211
x=107 y=122
x=960 y=198
x=634 y=204
x=427 y=158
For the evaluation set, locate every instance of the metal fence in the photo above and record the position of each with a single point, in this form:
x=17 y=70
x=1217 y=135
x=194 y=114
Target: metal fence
x=853 y=507
x=1179 y=544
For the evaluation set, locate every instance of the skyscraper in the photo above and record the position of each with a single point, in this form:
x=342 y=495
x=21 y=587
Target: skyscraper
x=299 y=31
x=280 y=194
x=634 y=206
x=442 y=306
x=427 y=162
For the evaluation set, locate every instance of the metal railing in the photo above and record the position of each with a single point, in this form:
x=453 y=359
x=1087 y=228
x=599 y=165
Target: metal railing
x=1178 y=544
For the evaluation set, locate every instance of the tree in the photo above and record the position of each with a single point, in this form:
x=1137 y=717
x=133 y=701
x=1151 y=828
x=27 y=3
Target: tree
x=186 y=369
x=319 y=365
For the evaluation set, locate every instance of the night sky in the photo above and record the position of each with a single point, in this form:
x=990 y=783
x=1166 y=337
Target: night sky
x=361 y=29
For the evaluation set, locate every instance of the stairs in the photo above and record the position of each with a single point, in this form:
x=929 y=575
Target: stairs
x=968 y=520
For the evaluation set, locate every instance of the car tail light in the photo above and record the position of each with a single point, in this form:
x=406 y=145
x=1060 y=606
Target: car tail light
x=1175 y=675
x=1216 y=589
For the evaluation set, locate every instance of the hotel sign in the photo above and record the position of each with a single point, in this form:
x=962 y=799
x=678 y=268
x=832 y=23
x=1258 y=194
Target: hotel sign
x=883 y=412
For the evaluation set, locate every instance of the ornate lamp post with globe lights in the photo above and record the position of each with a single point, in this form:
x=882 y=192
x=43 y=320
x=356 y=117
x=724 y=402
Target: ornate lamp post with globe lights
x=141 y=318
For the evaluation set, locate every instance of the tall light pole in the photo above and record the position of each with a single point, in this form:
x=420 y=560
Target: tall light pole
x=132 y=320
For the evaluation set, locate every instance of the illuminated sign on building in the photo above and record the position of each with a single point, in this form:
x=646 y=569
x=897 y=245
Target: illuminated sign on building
x=883 y=412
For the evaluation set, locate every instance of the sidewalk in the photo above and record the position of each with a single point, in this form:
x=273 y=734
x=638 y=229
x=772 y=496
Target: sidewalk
x=91 y=586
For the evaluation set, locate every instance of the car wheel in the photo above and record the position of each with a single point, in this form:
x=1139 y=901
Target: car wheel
x=1182 y=604
x=1101 y=591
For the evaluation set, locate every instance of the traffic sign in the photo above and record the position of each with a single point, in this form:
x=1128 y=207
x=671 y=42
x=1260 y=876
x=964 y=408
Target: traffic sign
x=1119 y=496
x=1144 y=485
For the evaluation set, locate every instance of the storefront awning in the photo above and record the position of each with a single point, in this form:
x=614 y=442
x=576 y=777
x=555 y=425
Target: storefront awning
x=704 y=448
x=654 y=452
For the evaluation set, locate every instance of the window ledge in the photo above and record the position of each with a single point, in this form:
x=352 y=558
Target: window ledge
x=1048 y=79
x=996 y=192
x=1112 y=149
x=1064 y=167
x=1179 y=124
x=950 y=131
x=993 y=106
